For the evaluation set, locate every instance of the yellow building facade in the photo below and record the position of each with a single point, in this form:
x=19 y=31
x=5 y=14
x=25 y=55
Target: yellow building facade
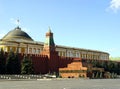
x=18 y=40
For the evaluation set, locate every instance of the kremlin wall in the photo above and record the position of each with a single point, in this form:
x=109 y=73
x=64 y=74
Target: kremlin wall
x=50 y=59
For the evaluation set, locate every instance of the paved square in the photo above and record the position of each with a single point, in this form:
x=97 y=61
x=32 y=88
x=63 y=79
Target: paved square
x=61 y=84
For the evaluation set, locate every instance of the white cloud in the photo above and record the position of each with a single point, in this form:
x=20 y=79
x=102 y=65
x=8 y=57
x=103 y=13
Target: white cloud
x=115 y=5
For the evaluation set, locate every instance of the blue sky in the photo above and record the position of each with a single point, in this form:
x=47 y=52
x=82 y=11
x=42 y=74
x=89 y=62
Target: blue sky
x=90 y=24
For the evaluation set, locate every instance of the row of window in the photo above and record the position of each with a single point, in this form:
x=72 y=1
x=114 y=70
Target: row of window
x=86 y=56
x=33 y=50
x=23 y=50
x=61 y=53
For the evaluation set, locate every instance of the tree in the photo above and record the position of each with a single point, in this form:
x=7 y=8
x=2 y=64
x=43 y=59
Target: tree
x=9 y=63
x=2 y=62
x=94 y=63
x=17 y=65
x=13 y=63
x=27 y=66
x=118 y=68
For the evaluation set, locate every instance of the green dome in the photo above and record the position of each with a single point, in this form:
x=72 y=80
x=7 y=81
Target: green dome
x=17 y=34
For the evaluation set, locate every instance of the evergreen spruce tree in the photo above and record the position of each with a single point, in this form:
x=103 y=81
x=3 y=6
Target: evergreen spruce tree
x=2 y=62
x=118 y=68
x=17 y=65
x=10 y=63
x=27 y=66
x=13 y=63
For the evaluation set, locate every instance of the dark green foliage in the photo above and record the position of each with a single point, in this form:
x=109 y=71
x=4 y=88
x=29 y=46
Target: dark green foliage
x=9 y=63
x=27 y=66
x=2 y=62
x=111 y=66
x=17 y=64
x=12 y=63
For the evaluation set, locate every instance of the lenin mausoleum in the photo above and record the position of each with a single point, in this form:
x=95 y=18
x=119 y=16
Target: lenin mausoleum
x=48 y=57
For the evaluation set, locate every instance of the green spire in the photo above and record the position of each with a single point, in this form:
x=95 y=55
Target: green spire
x=49 y=38
x=49 y=29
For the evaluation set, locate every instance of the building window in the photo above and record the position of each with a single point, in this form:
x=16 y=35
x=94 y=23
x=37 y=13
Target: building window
x=34 y=50
x=25 y=50
x=64 y=54
x=38 y=51
x=30 y=50
x=10 y=48
x=68 y=54
x=77 y=55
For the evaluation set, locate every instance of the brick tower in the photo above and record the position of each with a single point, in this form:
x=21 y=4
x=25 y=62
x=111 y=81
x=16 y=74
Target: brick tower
x=49 y=50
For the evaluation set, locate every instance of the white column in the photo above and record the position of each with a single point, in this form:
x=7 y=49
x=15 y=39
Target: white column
x=19 y=51
x=71 y=55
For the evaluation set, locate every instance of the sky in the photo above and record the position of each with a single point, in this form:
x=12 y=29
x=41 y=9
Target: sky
x=89 y=24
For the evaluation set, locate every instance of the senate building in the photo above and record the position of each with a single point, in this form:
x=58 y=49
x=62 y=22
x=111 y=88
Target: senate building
x=18 y=39
x=47 y=57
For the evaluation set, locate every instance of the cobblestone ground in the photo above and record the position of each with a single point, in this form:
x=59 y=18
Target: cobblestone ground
x=61 y=84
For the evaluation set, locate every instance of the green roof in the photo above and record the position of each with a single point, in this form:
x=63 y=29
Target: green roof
x=17 y=33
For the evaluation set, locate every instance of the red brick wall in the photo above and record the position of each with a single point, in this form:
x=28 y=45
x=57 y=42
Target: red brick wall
x=44 y=64
x=40 y=62
x=64 y=61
